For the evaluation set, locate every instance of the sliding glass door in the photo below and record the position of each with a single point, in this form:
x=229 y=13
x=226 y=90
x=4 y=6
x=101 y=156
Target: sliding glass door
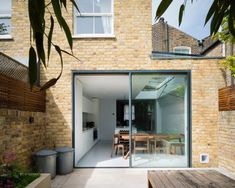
x=131 y=119
x=159 y=126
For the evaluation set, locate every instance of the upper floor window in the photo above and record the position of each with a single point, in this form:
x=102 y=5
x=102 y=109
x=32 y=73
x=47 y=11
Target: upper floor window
x=182 y=50
x=95 y=18
x=5 y=18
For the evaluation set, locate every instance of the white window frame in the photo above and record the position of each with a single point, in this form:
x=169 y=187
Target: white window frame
x=7 y=16
x=182 y=47
x=94 y=35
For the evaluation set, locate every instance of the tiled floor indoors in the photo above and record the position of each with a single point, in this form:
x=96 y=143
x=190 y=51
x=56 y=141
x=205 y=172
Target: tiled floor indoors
x=100 y=156
x=106 y=178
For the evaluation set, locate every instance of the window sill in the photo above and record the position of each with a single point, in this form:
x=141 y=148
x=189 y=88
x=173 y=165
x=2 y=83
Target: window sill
x=93 y=36
x=6 y=37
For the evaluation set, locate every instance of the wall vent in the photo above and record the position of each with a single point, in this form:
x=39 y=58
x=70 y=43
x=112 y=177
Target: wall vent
x=204 y=158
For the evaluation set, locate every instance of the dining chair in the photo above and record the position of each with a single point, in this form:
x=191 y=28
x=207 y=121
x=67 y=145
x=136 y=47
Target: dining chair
x=116 y=145
x=160 y=146
x=141 y=143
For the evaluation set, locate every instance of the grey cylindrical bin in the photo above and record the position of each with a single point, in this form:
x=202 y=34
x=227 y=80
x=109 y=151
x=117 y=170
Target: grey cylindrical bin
x=64 y=161
x=46 y=162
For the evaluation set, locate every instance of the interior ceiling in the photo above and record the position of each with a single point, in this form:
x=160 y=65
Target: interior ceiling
x=105 y=86
x=117 y=86
x=154 y=86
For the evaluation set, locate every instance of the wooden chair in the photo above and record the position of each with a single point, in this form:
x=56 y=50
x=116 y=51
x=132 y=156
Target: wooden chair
x=124 y=139
x=160 y=146
x=116 y=145
x=141 y=143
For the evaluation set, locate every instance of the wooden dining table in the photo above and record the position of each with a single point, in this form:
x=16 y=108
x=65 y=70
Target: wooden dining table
x=152 y=136
x=155 y=137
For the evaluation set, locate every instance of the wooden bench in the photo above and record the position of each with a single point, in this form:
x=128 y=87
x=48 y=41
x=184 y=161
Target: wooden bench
x=189 y=179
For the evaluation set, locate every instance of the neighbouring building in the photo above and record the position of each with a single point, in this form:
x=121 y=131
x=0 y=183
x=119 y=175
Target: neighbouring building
x=168 y=39
x=119 y=83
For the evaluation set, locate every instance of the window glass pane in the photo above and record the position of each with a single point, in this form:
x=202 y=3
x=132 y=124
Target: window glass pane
x=102 y=6
x=85 y=6
x=5 y=7
x=84 y=25
x=159 y=120
x=182 y=51
x=103 y=25
x=5 y=26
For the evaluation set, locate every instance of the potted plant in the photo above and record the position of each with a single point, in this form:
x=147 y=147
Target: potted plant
x=12 y=176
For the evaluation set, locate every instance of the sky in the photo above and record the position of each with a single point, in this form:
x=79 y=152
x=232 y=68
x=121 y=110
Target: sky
x=194 y=16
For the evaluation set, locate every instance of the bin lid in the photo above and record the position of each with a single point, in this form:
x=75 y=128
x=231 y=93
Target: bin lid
x=45 y=152
x=64 y=149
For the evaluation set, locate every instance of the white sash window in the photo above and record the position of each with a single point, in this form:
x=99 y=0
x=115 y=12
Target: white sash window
x=95 y=18
x=5 y=19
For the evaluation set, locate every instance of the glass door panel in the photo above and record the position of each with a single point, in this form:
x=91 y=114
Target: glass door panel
x=159 y=120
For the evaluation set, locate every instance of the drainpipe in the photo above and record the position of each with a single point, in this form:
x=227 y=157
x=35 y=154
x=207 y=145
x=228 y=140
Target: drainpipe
x=166 y=37
x=231 y=53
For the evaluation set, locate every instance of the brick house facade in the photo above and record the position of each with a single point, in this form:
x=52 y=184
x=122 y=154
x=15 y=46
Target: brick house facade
x=129 y=48
x=166 y=38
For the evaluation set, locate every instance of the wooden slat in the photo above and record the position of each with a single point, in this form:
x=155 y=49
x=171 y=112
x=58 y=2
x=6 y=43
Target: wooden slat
x=189 y=179
x=15 y=94
x=227 y=98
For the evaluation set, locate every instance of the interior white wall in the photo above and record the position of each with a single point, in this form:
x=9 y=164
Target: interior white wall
x=158 y=122
x=170 y=115
x=83 y=139
x=107 y=118
x=78 y=118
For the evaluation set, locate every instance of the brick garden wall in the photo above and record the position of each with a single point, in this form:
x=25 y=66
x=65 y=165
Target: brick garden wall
x=20 y=136
x=226 y=136
x=128 y=50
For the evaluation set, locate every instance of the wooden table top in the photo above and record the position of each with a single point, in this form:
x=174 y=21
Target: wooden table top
x=189 y=179
x=153 y=136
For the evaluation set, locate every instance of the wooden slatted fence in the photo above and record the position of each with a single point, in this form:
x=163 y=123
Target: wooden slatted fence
x=16 y=94
x=227 y=98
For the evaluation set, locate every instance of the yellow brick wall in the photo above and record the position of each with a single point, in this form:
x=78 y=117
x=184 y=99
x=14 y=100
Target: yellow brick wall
x=226 y=137
x=129 y=50
x=19 y=136
x=216 y=52
x=206 y=80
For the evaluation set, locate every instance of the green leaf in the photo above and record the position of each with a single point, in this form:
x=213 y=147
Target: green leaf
x=181 y=12
x=50 y=37
x=75 y=4
x=231 y=19
x=64 y=3
x=213 y=22
x=211 y=11
x=64 y=51
x=57 y=48
x=54 y=80
x=219 y=15
x=49 y=84
x=62 y=22
x=36 y=10
x=56 y=8
x=67 y=32
x=32 y=17
x=40 y=47
x=32 y=72
x=162 y=8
